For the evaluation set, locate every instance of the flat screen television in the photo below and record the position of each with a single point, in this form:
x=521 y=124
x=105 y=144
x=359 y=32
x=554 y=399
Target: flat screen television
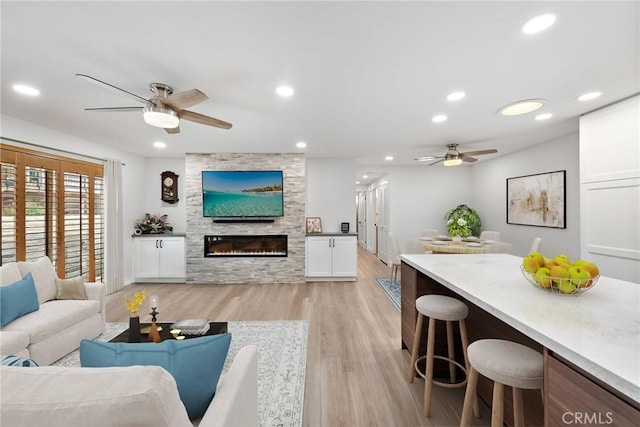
x=242 y=194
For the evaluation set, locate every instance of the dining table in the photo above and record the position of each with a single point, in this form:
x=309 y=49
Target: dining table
x=447 y=245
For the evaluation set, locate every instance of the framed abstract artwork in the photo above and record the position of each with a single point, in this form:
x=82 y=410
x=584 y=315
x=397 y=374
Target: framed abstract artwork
x=538 y=200
x=314 y=225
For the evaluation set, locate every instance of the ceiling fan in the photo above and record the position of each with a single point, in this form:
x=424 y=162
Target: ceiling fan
x=453 y=157
x=164 y=109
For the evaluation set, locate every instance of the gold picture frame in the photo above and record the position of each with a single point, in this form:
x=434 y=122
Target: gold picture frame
x=314 y=225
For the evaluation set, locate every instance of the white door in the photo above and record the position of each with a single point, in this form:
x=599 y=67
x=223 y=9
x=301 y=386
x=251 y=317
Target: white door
x=383 y=224
x=318 y=256
x=371 y=221
x=172 y=257
x=345 y=256
x=362 y=219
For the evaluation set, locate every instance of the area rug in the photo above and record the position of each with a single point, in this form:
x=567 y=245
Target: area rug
x=282 y=357
x=392 y=290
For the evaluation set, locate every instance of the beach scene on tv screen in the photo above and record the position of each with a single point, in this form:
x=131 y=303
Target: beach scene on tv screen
x=242 y=193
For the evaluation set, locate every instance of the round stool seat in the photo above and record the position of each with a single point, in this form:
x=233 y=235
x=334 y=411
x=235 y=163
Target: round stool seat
x=507 y=362
x=441 y=307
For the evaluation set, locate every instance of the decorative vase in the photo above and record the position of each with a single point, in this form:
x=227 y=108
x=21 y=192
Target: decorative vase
x=456 y=238
x=154 y=335
x=134 y=329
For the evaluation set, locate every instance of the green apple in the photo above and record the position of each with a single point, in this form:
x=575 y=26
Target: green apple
x=542 y=277
x=533 y=262
x=579 y=275
x=549 y=263
x=562 y=259
x=559 y=275
x=566 y=287
x=591 y=267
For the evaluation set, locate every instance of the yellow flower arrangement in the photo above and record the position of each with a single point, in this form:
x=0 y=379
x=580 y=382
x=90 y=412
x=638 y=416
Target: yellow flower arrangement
x=133 y=304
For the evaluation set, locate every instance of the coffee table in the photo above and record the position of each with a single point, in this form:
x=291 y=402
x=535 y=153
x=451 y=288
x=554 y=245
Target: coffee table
x=165 y=334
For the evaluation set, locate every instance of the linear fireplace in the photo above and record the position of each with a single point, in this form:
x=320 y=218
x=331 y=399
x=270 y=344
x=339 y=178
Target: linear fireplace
x=245 y=246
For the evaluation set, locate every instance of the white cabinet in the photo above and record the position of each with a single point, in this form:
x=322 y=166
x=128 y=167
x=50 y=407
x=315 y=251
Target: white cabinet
x=331 y=257
x=159 y=258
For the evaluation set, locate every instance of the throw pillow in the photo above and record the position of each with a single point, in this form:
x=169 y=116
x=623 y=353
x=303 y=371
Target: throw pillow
x=18 y=299
x=12 y=360
x=195 y=363
x=71 y=288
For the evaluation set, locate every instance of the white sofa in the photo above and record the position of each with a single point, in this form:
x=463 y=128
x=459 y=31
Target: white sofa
x=132 y=396
x=58 y=326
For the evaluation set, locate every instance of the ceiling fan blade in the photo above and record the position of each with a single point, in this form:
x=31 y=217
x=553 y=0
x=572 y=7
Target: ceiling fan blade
x=116 y=109
x=427 y=158
x=204 y=120
x=479 y=152
x=436 y=162
x=469 y=159
x=112 y=87
x=173 y=130
x=186 y=99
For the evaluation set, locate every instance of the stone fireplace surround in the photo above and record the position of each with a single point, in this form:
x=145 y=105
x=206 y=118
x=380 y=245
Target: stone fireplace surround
x=246 y=270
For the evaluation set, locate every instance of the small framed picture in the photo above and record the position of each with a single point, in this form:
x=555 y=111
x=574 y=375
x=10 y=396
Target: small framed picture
x=314 y=224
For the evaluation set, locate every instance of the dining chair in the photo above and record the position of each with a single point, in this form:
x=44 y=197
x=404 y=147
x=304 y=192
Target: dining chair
x=394 y=256
x=499 y=248
x=430 y=232
x=535 y=245
x=413 y=246
x=490 y=235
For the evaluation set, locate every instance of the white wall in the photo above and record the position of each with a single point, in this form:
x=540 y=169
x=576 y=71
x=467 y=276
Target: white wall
x=133 y=173
x=488 y=183
x=421 y=195
x=331 y=190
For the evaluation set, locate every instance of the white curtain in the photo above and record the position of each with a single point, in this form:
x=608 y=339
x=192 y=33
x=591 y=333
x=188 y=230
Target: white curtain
x=113 y=262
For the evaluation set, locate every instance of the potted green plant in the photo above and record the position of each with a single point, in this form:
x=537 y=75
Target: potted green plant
x=463 y=221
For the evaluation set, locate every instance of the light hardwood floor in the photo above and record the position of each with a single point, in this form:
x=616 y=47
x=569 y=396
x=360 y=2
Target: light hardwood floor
x=356 y=369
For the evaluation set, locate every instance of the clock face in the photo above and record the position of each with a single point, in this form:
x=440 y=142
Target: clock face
x=168 y=182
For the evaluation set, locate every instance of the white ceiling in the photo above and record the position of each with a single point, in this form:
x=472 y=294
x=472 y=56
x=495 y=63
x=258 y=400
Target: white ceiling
x=368 y=76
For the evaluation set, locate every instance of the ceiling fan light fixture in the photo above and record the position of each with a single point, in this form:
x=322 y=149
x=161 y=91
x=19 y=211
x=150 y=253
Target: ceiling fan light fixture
x=455 y=161
x=522 y=107
x=160 y=117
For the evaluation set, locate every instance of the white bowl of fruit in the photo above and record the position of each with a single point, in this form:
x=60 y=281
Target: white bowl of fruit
x=558 y=275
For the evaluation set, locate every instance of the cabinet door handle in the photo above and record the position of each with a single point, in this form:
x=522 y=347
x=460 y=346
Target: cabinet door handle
x=160 y=244
x=156 y=243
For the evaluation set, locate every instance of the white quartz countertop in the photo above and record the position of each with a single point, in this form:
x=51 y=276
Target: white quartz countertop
x=598 y=331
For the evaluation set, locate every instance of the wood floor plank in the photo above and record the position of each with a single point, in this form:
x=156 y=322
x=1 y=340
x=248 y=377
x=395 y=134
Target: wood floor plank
x=356 y=369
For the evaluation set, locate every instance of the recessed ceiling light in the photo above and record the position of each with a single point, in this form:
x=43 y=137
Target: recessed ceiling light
x=544 y=116
x=522 y=107
x=26 y=90
x=439 y=118
x=357 y=182
x=539 y=23
x=365 y=176
x=589 y=96
x=389 y=158
x=301 y=144
x=159 y=144
x=455 y=96
x=284 y=90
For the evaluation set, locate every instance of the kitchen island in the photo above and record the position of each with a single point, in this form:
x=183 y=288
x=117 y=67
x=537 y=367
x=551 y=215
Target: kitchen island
x=596 y=335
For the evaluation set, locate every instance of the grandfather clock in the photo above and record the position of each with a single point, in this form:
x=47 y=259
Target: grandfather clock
x=169 y=185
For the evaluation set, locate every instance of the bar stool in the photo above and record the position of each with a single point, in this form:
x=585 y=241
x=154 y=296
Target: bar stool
x=439 y=307
x=506 y=363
